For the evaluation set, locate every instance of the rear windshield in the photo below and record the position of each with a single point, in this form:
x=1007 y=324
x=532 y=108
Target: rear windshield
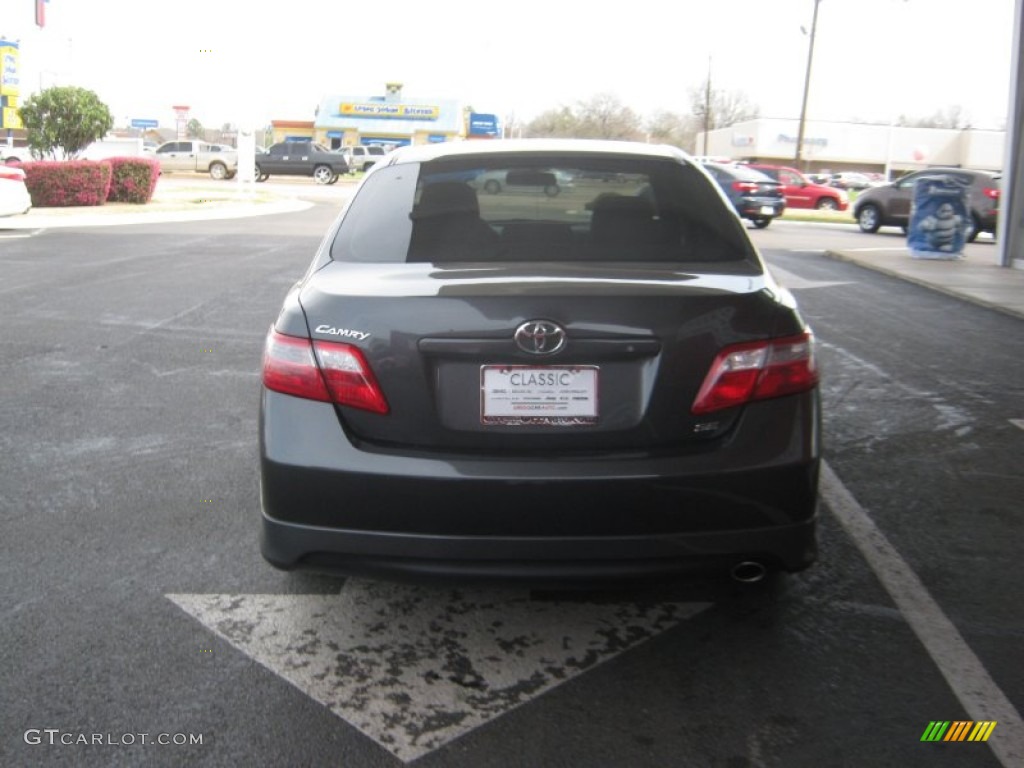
x=540 y=209
x=740 y=172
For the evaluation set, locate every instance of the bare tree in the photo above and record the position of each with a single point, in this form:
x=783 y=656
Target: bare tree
x=672 y=128
x=601 y=117
x=713 y=108
x=554 y=123
x=951 y=117
x=605 y=117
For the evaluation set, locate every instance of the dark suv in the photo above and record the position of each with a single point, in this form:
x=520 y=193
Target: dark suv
x=890 y=205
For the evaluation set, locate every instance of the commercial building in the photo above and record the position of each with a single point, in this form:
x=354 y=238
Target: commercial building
x=390 y=120
x=838 y=146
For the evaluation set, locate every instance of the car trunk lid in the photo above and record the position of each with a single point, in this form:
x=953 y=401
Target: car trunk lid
x=538 y=358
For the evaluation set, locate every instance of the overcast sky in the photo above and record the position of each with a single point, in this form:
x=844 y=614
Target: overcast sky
x=247 y=62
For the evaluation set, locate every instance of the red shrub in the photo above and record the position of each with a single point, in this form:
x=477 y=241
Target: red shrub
x=133 y=179
x=56 y=184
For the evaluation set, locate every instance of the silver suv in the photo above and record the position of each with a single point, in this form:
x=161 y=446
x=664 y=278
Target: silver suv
x=362 y=157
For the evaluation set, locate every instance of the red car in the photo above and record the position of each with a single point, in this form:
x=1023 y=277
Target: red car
x=801 y=192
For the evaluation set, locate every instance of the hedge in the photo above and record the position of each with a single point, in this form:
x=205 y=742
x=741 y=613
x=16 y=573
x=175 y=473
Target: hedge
x=56 y=184
x=133 y=179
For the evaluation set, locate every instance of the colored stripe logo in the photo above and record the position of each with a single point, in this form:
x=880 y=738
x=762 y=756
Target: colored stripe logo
x=958 y=730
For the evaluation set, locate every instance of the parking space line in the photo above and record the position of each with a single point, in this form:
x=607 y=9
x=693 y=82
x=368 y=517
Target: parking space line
x=966 y=675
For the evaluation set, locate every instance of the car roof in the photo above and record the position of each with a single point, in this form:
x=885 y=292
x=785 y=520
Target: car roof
x=740 y=171
x=950 y=169
x=469 y=149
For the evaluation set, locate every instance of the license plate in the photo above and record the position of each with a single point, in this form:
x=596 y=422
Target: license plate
x=527 y=395
x=767 y=210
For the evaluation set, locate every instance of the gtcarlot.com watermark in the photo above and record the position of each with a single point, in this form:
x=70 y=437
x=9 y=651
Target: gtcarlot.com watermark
x=56 y=737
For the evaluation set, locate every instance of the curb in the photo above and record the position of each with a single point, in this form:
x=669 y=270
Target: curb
x=50 y=218
x=930 y=284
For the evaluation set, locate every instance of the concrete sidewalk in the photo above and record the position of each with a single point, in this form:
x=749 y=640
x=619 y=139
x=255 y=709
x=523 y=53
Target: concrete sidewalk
x=169 y=203
x=977 y=278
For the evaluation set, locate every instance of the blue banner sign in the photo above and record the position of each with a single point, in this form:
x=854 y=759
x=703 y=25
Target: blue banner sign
x=142 y=123
x=483 y=125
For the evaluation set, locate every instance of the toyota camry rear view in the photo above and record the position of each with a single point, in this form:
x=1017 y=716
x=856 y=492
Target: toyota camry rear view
x=586 y=375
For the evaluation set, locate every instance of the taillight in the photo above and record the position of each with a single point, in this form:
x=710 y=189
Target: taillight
x=758 y=370
x=744 y=186
x=328 y=371
x=992 y=192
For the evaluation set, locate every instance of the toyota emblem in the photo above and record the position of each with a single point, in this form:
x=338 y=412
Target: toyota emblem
x=540 y=337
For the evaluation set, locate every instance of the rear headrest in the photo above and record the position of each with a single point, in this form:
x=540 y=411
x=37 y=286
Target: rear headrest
x=445 y=198
x=622 y=206
x=620 y=218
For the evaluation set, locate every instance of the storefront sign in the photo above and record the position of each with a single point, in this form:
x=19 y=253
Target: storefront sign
x=483 y=125
x=814 y=142
x=390 y=111
x=9 y=80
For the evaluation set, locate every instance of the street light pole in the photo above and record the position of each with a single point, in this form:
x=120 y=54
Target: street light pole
x=707 y=108
x=807 y=86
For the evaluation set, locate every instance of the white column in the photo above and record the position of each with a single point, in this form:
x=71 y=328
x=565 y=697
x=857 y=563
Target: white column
x=1011 y=204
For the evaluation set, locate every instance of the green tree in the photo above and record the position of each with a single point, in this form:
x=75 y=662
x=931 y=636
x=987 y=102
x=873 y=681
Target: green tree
x=195 y=129
x=63 y=120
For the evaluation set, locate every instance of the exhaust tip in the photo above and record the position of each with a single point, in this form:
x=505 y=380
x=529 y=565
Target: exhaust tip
x=748 y=572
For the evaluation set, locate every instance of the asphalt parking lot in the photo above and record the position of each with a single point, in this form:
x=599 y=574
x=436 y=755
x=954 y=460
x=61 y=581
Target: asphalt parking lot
x=136 y=601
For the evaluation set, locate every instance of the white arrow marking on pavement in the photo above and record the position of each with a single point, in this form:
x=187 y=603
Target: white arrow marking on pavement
x=795 y=283
x=414 y=668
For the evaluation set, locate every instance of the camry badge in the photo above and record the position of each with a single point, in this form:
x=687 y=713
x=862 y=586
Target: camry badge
x=347 y=333
x=540 y=337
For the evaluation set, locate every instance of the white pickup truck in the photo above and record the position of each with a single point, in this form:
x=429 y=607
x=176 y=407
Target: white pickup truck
x=198 y=156
x=112 y=146
x=10 y=153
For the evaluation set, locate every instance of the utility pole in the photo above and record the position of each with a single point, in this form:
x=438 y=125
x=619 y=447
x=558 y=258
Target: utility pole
x=807 y=86
x=707 y=109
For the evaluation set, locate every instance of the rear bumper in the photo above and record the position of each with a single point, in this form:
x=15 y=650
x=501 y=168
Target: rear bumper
x=563 y=559
x=329 y=505
x=761 y=209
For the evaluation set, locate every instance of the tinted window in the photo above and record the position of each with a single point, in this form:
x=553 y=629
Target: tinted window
x=539 y=209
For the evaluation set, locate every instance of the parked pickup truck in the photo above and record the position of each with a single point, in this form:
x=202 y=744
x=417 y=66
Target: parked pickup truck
x=301 y=158
x=12 y=154
x=219 y=161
